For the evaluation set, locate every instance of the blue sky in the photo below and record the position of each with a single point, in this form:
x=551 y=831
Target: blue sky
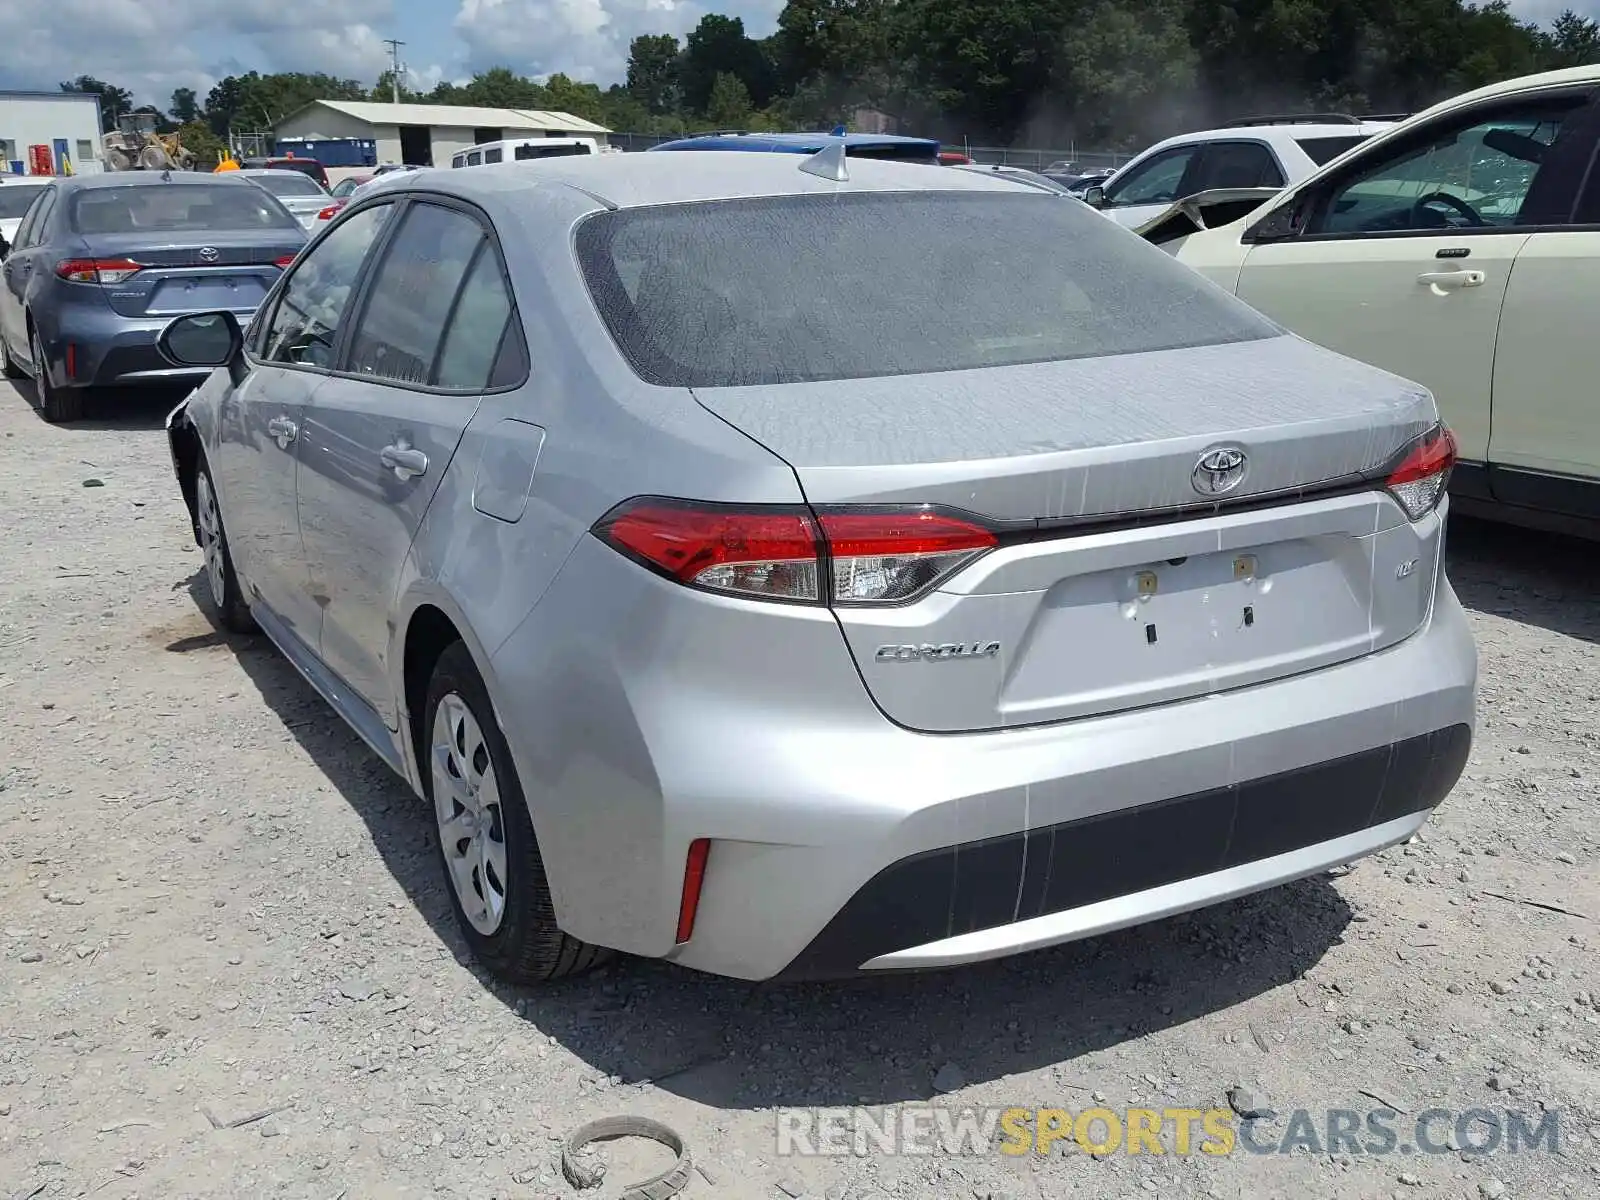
x=154 y=46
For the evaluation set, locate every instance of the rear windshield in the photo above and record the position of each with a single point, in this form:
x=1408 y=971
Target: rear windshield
x=288 y=183
x=14 y=199
x=175 y=207
x=1323 y=150
x=795 y=288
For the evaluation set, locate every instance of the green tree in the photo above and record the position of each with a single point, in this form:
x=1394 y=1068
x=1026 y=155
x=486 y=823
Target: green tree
x=1125 y=70
x=206 y=145
x=585 y=100
x=498 y=87
x=653 y=73
x=1574 y=41
x=113 y=100
x=185 y=107
x=729 y=105
x=717 y=45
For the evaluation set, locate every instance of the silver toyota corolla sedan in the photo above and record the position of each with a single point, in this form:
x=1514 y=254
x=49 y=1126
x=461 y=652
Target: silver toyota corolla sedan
x=791 y=575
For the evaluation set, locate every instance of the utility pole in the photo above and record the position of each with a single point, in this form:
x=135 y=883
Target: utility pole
x=394 y=70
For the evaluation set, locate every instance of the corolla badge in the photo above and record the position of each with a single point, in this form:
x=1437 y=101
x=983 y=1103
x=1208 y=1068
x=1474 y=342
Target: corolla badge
x=945 y=652
x=209 y=254
x=1219 y=471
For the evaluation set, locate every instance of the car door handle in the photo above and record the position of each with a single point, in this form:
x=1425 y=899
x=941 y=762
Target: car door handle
x=284 y=430
x=405 y=461
x=1443 y=281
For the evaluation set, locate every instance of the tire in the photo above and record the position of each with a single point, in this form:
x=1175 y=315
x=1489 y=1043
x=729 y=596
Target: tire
x=487 y=847
x=222 y=581
x=8 y=368
x=59 y=405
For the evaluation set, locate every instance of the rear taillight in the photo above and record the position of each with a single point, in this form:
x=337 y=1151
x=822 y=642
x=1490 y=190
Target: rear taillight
x=1419 y=482
x=283 y=263
x=789 y=553
x=330 y=212
x=97 y=270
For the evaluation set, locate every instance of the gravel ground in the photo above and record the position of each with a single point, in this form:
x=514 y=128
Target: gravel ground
x=216 y=904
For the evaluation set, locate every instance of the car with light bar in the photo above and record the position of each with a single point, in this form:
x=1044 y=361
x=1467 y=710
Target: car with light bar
x=741 y=585
x=102 y=263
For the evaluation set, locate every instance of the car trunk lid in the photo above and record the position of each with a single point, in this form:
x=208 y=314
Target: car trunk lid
x=1120 y=580
x=193 y=272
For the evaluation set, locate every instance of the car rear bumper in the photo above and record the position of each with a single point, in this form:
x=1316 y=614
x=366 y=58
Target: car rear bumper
x=643 y=716
x=103 y=349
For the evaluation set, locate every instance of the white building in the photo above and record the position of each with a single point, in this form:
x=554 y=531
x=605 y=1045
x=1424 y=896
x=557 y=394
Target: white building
x=428 y=134
x=66 y=123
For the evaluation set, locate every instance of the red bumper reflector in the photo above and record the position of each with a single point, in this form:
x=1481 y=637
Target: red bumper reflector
x=72 y=360
x=694 y=875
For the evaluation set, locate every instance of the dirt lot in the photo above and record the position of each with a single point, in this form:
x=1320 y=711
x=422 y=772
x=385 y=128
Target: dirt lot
x=215 y=903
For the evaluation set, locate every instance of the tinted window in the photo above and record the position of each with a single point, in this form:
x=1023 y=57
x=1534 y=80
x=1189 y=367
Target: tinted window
x=157 y=207
x=785 y=289
x=1154 y=181
x=314 y=297
x=472 y=341
x=15 y=199
x=412 y=293
x=534 y=150
x=493 y=156
x=475 y=159
x=1323 y=150
x=288 y=183
x=1461 y=177
x=1236 y=165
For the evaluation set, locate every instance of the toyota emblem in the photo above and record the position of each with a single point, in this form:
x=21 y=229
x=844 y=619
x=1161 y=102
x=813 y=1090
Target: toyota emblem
x=1219 y=471
x=209 y=254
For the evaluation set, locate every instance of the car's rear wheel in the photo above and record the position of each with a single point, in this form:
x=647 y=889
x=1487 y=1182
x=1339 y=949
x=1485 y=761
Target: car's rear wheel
x=222 y=581
x=59 y=405
x=486 y=842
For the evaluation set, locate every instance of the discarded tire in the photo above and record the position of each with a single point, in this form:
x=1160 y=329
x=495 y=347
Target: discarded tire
x=669 y=1183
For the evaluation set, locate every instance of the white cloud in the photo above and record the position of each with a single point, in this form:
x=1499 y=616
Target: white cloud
x=587 y=39
x=154 y=46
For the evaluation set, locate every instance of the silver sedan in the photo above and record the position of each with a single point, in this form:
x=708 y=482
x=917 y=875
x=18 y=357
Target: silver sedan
x=797 y=566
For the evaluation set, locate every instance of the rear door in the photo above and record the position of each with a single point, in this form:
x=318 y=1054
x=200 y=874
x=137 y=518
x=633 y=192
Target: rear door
x=1545 y=446
x=380 y=434
x=1404 y=256
x=261 y=421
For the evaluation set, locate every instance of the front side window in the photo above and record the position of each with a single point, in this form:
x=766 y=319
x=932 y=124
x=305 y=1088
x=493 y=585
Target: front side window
x=1473 y=177
x=412 y=293
x=1154 y=181
x=791 y=289
x=316 y=295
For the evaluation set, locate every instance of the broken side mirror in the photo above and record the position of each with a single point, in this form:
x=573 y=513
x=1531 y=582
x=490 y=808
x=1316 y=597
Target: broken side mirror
x=208 y=339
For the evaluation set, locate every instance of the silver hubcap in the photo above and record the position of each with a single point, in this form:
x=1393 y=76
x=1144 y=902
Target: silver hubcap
x=211 y=540
x=466 y=804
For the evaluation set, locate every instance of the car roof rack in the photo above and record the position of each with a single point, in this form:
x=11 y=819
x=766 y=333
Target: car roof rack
x=1296 y=119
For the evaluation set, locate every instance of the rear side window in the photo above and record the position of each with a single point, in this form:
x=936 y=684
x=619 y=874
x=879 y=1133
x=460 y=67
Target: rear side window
x=495 y=155
x=530 y=150
x=169 y=207
x=1237 y=165
x=1323 y=150
x=477 y=327
x=412 y=294
x=795 y=288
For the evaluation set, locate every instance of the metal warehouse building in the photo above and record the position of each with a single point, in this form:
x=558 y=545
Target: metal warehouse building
x=65 y=124
x=427 y=135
